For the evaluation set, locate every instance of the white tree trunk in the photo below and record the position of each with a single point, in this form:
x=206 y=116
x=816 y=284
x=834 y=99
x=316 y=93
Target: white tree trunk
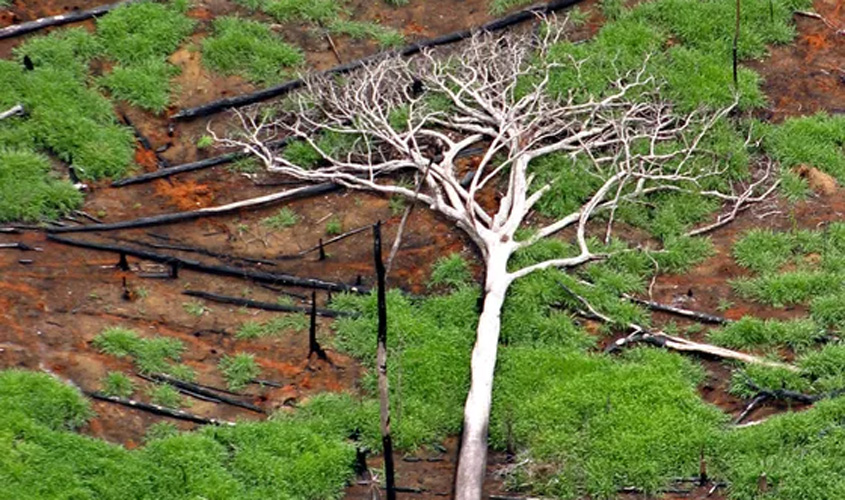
x=472 y=461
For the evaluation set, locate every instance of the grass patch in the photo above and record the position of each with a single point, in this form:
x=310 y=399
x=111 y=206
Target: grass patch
x=273 y=327
x=283 y=219
x=285 y=457
x=361 y=30
x=138 y=32
x=251 y=49
x=166 y=395
x=313 y=11
x=150 y=355
x=334 y=226
x=817 y=141
x=595 y=423
x=118 y=384
x=28 y=189
x=145 y=84
x=239 y=370
x=754 y=333
x=451 y=271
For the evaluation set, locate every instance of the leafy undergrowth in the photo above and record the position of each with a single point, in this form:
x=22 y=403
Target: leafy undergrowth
x=288 y=457
x=249 y=48
x=330 y=16
x=792 y=267
x=139 y=37
x=28 y=191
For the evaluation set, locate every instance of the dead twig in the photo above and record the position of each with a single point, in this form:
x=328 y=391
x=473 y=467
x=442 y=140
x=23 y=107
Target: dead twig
x=16 y=110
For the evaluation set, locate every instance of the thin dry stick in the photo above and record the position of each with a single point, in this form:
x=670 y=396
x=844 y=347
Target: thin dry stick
x=405 y=215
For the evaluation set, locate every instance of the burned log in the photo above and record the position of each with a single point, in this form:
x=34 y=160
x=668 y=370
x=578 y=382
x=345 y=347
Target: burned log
x=193 y=265
x=381 y=366
x=46 y=22
x=158 y=410
x=679 y=311
x=155 y=220
x=267 y=306
x=414 y=48
x=203 y=391
x=178 y=169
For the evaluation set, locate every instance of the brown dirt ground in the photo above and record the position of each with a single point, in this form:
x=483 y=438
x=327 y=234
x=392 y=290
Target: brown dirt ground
x=53 y=307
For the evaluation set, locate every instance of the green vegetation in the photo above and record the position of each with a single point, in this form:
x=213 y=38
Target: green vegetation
x=594 y=423
x=273 y=327
x=314 y=11
x=238 y=370
x=286 y=457
x=28 y=190
x=283 y=219
x=195 y=308
x=150 y=355
x=753 y=333
x=818 y=272
x=118 y=384
x=139 y=37
x=64 y=115
x=451 y=271
x=165 y=395
x=498 y=7
x=334 y=226
x=249 y=48
x=816 y=141
x=358 y=30
x=205 y=142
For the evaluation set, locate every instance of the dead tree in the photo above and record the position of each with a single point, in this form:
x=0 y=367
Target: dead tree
x=492 y=93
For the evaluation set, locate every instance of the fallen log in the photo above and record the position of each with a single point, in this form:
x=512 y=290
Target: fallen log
x=203 y=251
x=46 y=22
x=193 y=265
x=679 y=311
x=267 y=306
x=155 y=220
x=414 y=48
x=159 y=410
x=203 y=391
x=23 y=247
x=178 y=169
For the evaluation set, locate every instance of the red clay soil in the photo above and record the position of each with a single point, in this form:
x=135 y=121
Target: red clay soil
x=808 y=75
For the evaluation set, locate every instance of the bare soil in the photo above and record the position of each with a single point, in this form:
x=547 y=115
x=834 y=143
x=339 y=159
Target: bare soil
x=51 y=308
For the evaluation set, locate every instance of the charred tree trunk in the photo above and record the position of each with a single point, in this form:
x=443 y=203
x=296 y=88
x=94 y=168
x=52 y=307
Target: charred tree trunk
x=381 y=360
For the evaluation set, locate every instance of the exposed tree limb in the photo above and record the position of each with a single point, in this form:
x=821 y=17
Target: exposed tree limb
x=414 y=48
x=156 y=220
x=15 y=110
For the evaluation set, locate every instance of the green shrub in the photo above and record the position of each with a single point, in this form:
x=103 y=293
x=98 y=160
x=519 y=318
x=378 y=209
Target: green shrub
x=334 y=226
x=451 y=271
x=360 y=30
x=829 y=310
x=787 y=288
x=315 y=11
x=591 y=425
x=42 y=399
x=753 y=333
x=816 y=141
x=118 y=384
x=70 y=49
x=239 y=370
x=165 y=395
x=151 y=355
x=249 y=48
x=145 y=84
x=28 y=190
x=138 y=32
x=284 y=219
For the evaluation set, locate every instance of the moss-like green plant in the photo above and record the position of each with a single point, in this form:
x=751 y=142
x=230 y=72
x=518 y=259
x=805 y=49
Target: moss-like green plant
x=165 y=395
x=145 y=84
x=451 y=271
x=334 y=226
x=360 y=30
x=754 y=333
x=118 y=384
x=283 y=219
x=315 y=11
x=138 y=32
x=249 y=48
x=29 y=191
x=273 y=327
x=239 y=370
